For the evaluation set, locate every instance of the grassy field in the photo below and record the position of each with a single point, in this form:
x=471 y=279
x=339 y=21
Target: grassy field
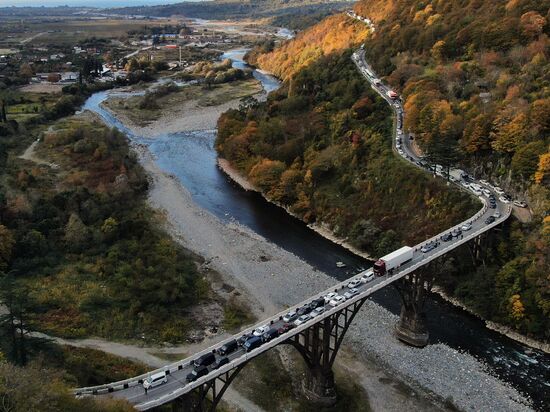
x=197 y=96
x=72 y=31
x=24 y=105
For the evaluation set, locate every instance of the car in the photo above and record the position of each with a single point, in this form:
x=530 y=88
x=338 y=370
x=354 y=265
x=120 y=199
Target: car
x=496 y=215
x=499 y=190
x=316 y=312
x=335 y=301
x=228 y=347
x=427 y=247
x=520 y=203
x=400 y=152
x=155 y=380
x=354 y=283
x=317 y=303
x=329 y=296
x=486 y=192
x=302 y=319
x=197 y=373
x=205 y=360
x=446 y=237
x=456 y=232
x=261 y=330
x=285 y=328
x=492 y=205
x=290 y=316
x=489 y=220
x=503 y=199
x=224 y=360
x=270 y=334
x=304 y=310
x=484 y=182
x=244 y=338
x=252 y=343
x=367 y=277
x=465 y=185
x=466 y=226
x=477 y=192
x=351 y=293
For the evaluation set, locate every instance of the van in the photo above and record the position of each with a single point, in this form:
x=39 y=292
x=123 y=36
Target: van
x=205 y=360
x=155 y=380
x=228 y=347
x=252 y=343
x=197 y=373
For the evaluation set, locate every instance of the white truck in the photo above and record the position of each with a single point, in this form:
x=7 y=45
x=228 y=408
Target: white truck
x=393 y=260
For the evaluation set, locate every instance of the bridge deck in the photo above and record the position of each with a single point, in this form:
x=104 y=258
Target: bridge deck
x=132 y=390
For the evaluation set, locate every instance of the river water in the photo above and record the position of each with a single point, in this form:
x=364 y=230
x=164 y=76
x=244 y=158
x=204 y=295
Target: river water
x=191 y=157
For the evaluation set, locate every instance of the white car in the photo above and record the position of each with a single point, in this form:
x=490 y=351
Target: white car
x=484 y=182
x=465 y=227
x=477 y=192
x=289 y=316
x=261 y=330
x=465 y=185
x=316 y=312
x=496 y=215
x=354 y=283
x=329 y=296
x=367 y=277
x=302 y=319
x=337 y=300
x=499 y=190
x=486 y=192
x=351 y=293
x=520 y=203
x=503 y=199
x=400 y=152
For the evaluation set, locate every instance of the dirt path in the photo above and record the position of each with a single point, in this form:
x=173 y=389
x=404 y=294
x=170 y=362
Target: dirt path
x=28 y=39
x=30 y=155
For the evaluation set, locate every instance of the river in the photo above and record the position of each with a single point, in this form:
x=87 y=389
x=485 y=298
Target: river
x=191 y=157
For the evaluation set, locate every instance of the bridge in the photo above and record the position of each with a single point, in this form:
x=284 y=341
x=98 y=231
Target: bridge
x=317 y=339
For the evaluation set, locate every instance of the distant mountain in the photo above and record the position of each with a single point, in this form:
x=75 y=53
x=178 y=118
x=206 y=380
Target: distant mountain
x=236 y=9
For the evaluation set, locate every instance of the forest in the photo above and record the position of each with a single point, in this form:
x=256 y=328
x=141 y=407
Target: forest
x=474 y=79
x=321 y=147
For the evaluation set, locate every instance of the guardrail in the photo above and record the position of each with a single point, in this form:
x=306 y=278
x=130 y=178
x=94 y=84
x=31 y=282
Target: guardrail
x=179 y=365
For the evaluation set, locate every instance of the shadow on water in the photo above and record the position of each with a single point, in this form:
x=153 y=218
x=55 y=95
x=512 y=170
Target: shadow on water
x=192 y=158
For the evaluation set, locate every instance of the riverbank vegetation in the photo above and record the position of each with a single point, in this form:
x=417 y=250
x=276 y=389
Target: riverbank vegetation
x=85 y=247
x=165 y=99
x=474 y=79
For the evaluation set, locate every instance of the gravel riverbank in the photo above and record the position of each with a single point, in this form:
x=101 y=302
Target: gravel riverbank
x=273 y=278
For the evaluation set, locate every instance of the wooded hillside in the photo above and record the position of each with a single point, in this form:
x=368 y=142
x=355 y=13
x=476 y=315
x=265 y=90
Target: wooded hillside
x=475 y=77
x=335 y=33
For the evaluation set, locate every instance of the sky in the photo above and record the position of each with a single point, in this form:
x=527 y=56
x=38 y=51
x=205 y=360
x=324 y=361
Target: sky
x=94 y=3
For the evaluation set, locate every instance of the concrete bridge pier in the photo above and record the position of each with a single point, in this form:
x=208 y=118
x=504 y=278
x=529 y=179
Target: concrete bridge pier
x=413 y=290
x=319 y=386
x=411 y=327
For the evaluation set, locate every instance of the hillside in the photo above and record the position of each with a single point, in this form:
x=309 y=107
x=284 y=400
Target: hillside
x=333 y=34
x=237 y=9
x=474 y=76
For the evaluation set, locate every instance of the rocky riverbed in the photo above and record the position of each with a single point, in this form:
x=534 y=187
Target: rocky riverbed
x=273 y=278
